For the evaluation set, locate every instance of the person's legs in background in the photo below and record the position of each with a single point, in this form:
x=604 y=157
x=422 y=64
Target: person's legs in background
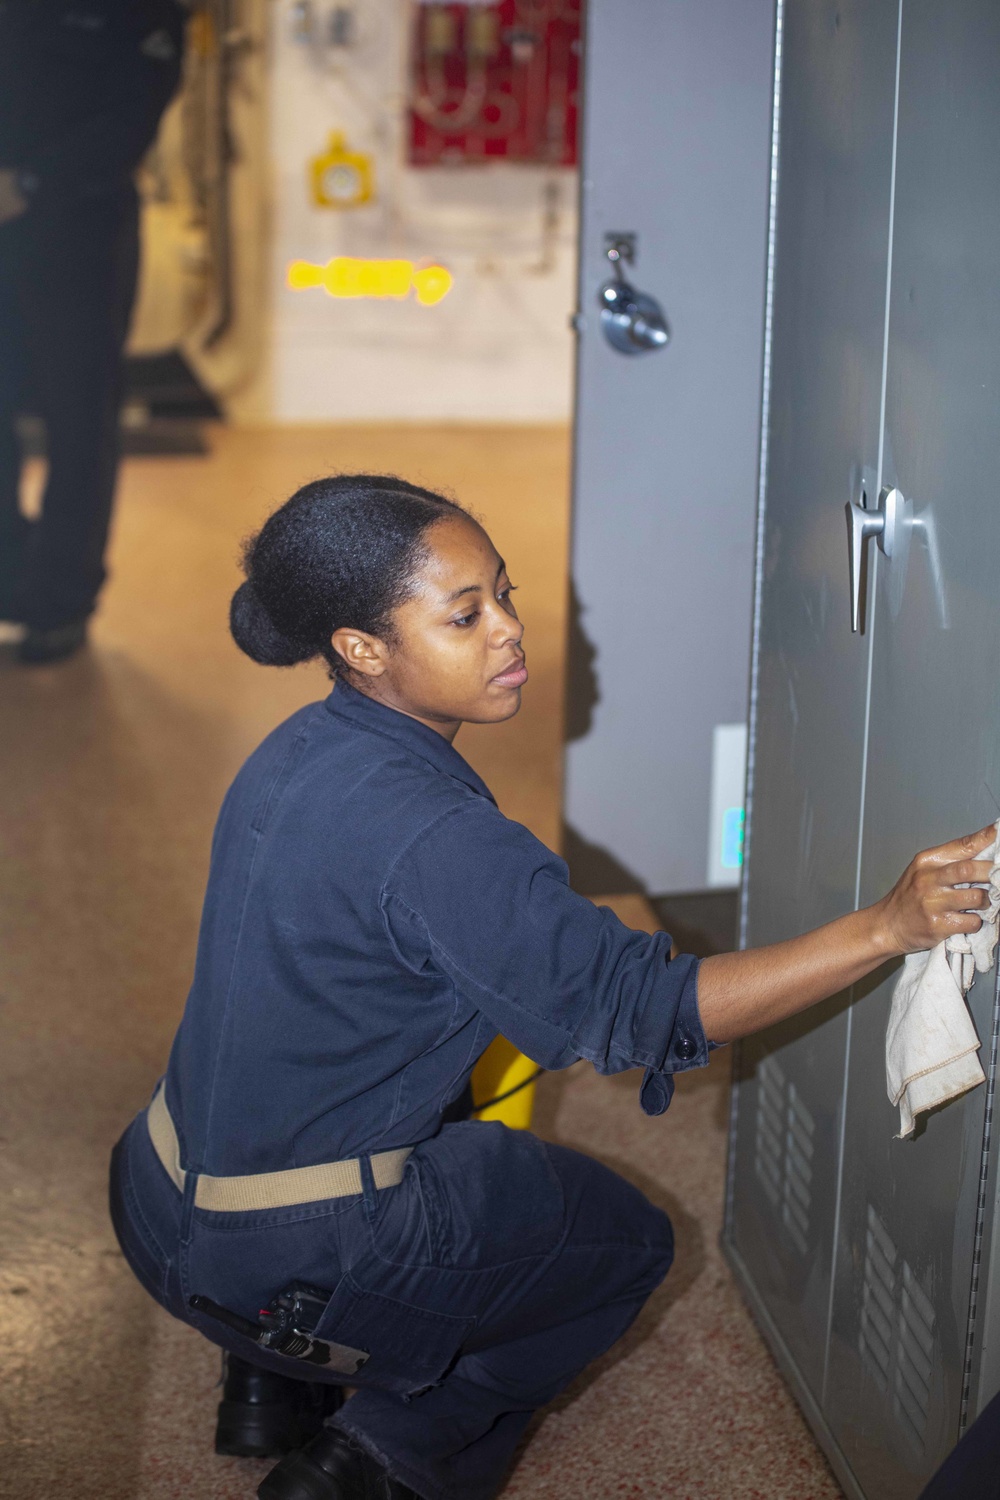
x=77 y=287
x=14 y=528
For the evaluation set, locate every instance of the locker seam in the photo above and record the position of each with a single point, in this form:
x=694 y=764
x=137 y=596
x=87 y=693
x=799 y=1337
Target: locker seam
x=763 y=451
x=584 y=206
x=873 y=588
x=982 y=1205
x=870 y=632
x=758 y=583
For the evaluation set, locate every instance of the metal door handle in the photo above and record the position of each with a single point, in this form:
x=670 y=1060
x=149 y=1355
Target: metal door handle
x=862 y=525
x=632 y=321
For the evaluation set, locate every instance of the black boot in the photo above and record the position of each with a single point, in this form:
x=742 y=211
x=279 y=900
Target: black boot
x=332 y=1467
x=40 y=648
x=262 y=1414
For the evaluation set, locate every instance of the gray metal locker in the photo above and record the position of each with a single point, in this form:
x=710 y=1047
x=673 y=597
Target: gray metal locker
x=676 y=112
x=871 y=1262
x=827 y=321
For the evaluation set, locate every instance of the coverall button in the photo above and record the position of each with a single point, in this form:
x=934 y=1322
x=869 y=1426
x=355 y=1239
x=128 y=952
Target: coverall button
x=686 y=1048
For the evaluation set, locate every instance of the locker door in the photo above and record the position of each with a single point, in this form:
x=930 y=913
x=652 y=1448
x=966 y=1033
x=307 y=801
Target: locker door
x=830 y=267
x=905 y=1259
x=677 y=105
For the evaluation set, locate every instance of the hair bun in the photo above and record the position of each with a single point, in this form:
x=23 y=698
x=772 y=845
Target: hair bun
x=256 y=634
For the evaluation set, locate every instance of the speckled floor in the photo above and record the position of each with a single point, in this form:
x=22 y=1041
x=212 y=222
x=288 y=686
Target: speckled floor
x=111 y=770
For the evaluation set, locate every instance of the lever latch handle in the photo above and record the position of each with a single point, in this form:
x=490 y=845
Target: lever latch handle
x=862 y=525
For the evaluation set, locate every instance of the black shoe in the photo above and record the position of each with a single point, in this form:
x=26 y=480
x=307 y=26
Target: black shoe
x=40 y=647
x=262 y=1414
x=332 y=1467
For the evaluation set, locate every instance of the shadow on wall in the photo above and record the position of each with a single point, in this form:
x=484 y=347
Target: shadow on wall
x=593 y=870
x=583 y=689
x=700 y=922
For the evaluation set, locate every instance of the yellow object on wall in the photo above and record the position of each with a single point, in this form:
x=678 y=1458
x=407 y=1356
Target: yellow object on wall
x=339 y=177
x=499 y=1072
x=346 y=276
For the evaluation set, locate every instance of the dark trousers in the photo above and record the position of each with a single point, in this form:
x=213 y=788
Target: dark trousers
x=481 y=1286
x=67 y=284
x=972 y=1470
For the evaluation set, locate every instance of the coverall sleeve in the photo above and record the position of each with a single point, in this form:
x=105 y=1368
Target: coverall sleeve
x=480 y=898
x=101 y=153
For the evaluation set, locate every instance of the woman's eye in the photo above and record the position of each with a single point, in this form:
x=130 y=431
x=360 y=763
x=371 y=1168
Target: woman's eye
x=467 y=619
x=506 y=592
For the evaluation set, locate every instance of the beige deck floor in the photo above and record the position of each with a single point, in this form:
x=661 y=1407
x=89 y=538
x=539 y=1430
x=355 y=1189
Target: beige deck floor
x=111 y=770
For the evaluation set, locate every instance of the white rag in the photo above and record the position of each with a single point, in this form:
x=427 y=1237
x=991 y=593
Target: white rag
x=931 y=1041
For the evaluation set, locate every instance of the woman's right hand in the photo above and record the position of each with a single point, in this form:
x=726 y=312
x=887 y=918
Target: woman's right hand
x=936 y=895
x=931 y=900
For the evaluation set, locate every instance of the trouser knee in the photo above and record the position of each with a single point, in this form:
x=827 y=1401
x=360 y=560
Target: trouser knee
x=666 y=1239
x=661 y=1245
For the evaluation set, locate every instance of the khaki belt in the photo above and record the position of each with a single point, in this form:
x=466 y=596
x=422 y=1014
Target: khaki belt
x=334 y=1179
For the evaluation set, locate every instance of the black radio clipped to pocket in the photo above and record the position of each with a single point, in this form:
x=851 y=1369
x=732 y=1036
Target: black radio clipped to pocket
x=285 y=1326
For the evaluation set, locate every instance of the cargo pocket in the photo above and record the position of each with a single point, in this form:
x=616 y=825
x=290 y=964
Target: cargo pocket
x=410 y=1349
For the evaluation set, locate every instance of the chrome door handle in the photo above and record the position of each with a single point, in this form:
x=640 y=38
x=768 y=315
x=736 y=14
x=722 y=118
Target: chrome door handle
x=632 y=321
x=862 y=525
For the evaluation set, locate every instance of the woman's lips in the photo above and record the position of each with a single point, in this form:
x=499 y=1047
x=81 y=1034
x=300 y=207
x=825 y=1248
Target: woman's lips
x=512 y=677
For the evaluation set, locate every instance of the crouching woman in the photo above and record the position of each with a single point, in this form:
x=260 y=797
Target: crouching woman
x=299 y=1189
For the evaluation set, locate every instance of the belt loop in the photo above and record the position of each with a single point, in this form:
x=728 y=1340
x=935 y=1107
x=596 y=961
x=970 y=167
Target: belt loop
x=187 y=1206
x=368 y=1185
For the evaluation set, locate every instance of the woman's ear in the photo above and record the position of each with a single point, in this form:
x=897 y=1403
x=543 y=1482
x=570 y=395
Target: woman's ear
x=361 y=652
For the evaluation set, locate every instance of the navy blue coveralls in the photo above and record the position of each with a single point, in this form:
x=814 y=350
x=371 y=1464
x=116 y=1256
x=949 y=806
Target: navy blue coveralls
x=83 y=84
x=372 y=921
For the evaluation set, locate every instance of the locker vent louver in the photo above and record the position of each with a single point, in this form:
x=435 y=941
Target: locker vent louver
x=914 y=1362
x=770 y=1108
x=878 y=1301
x=896 y=1336
x=799 y=1130
x=784 y=1150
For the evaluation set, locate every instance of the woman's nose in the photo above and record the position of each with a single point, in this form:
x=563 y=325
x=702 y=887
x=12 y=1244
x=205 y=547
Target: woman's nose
x=507 y=629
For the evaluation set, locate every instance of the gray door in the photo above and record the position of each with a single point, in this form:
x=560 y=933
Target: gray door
x=677 y=108
x=909 y=1210
x=831 y=243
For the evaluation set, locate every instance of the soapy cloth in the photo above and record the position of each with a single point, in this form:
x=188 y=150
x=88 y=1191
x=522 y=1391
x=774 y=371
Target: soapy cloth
x=931 y=1043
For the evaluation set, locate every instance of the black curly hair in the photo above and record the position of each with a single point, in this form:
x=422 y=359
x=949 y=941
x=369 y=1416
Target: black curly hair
x=341 y=552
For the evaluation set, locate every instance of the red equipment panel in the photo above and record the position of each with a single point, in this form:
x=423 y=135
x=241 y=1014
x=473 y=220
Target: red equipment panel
x=495 y=81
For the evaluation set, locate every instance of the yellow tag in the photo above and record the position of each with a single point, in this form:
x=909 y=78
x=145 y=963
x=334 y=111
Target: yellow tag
x=341 y=178
x=346 y=276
